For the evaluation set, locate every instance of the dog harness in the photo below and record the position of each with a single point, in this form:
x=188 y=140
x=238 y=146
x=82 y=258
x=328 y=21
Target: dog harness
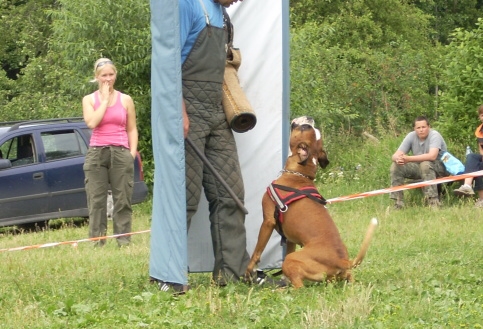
x=282 y=202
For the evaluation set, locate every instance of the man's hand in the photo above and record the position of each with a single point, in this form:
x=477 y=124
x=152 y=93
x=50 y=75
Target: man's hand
x=186 y=120
x=401 y=159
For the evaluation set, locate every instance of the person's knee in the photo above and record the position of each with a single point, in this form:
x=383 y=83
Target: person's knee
x=393 y=169
x=474 y=157
x=98 y=202
x=123 y=205
x=425 y=167
x=473 y=161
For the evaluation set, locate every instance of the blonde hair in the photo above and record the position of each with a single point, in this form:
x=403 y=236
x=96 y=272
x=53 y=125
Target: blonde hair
x=480 y=109
x=99 y=65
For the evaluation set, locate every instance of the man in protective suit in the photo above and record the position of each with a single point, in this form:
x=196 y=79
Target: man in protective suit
x=203 y=57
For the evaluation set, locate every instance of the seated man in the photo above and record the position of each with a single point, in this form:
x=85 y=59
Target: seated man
x=426 y=145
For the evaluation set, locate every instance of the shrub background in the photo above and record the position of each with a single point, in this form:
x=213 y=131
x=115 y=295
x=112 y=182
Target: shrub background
x=356 y=66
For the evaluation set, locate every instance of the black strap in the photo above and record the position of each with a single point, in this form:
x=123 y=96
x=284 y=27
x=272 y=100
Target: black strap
x=276 y=215
x=229 y=29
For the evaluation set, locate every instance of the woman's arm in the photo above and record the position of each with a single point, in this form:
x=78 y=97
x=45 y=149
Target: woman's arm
x=93 y=117
x=131 y=126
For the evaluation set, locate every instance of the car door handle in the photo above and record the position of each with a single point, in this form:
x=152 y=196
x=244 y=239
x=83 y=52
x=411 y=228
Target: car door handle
x=38 y=175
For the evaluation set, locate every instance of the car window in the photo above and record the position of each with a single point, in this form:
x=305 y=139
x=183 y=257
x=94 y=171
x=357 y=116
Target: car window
x=87 y=132
x=63 y=144
x=3 y=130
x=20 y=150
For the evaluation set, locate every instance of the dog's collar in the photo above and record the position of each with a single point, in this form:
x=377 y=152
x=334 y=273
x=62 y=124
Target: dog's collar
x=294 y=173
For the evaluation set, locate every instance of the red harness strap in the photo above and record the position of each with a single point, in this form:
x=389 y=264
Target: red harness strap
x=293 y=194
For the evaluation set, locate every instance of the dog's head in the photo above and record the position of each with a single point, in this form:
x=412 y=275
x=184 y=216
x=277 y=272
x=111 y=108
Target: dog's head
x=306 y=144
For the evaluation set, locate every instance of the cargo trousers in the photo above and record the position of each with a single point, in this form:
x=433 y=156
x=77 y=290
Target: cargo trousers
x=425 y=170
x=109 y=167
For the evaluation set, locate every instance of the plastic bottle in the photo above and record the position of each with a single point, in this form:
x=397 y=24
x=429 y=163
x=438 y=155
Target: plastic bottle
x=468 y=150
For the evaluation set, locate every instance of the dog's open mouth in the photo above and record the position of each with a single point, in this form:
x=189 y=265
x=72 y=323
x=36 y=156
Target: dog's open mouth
x=302 y=151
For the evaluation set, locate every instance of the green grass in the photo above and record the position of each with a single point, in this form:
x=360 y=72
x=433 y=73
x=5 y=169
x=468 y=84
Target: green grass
x=424 y=269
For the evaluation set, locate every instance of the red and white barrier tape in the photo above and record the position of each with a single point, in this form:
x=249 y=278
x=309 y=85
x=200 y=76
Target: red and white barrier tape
x=406 y=187
x=73 y=243
x=339 y=199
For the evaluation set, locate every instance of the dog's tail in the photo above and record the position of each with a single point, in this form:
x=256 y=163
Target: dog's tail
x=365 y=244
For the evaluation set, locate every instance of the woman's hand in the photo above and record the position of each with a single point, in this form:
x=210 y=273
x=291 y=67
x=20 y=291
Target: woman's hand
x=104 y=92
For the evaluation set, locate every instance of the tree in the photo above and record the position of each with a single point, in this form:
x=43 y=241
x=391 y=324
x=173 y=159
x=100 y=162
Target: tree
x=446 y=16
x=25 y=29
x=53 y=84
x=463 y=81
x=369 y=66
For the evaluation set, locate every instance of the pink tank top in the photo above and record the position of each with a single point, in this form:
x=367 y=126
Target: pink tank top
x=111 y=131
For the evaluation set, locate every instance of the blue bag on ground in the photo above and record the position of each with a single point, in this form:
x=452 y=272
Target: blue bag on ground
x=452 y=164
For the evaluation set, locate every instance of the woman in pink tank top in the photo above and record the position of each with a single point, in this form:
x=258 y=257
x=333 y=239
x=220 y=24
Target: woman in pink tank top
x=109 y=163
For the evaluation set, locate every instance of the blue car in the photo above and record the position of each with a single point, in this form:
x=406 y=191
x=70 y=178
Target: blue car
x=41 y=175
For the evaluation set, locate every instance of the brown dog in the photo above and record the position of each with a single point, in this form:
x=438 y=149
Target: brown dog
x=302 y=216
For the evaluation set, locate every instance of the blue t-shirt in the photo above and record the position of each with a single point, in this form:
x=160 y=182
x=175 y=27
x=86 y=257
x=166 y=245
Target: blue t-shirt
x=192 y=20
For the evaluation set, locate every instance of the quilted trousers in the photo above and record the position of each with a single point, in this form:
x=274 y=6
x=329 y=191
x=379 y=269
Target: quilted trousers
x=210 y=133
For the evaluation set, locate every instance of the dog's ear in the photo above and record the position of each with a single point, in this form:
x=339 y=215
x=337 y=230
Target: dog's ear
x=321 y=154
x=323 y=160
